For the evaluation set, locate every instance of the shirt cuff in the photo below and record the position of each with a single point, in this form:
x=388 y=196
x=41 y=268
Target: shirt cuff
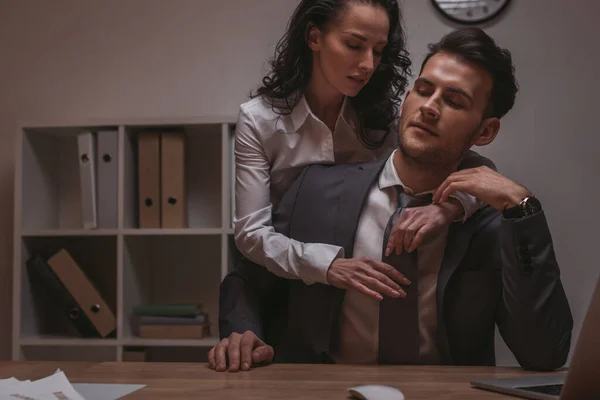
x=469 y=203
x=340 y=254
x=315 y=266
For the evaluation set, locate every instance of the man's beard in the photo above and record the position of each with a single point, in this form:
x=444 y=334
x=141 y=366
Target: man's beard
x=436 y=157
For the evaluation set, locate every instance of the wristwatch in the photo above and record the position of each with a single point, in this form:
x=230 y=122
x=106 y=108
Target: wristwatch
x=528 y=206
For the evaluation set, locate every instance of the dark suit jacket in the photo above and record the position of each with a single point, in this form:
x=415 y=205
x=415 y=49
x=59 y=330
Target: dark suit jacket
x=494 y=271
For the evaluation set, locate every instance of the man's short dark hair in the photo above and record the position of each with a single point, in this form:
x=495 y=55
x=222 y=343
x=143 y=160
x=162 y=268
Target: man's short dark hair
x=474 y=45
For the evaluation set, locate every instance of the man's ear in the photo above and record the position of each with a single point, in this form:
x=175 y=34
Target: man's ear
x=313 y=37
x=488 y=131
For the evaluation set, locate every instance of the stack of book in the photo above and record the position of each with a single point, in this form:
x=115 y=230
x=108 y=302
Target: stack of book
x=171 y=321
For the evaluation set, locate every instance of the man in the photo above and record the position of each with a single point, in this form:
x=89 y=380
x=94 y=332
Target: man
x=497 y=268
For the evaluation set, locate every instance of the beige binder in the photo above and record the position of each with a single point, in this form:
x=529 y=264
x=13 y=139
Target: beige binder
x=173 y=201
x=83 y=291
x=149 y=179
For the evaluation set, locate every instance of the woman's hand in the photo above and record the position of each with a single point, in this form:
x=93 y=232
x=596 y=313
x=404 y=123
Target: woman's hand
x=368 y=276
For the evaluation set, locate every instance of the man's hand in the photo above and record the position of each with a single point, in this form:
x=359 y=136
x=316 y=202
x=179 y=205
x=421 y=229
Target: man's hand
x=245 y=348
x=417 y=224
x=485 y=184
x=368 y=276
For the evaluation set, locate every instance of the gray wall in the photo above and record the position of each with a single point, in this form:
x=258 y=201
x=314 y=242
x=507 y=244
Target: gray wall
x=72 y=59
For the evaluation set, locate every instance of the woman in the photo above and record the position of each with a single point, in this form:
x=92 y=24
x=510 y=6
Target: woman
x=331 y=96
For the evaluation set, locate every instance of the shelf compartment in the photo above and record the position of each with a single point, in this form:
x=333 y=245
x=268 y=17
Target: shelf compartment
x=49 y=178
x=171 y=269
x=95 y=255
x=203 y=174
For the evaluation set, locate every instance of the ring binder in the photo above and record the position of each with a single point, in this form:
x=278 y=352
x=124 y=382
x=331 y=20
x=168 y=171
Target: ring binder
x=68 y=287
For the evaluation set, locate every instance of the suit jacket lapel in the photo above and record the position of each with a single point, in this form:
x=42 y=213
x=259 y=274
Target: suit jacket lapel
x=355 y=189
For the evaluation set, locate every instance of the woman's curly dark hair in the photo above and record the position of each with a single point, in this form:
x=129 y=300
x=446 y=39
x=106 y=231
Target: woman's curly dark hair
x=376 y=104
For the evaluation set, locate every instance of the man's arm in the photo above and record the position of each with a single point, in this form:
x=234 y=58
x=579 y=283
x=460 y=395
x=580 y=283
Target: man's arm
x=533 y=316
x=250 y=304
x=471 y=204
x=252 y=301
x=244 y=297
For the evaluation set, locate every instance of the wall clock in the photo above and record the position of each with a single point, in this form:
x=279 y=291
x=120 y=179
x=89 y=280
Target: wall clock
x=470 y=11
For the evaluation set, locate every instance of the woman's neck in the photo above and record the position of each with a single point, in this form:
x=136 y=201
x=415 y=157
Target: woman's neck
x=324 y=101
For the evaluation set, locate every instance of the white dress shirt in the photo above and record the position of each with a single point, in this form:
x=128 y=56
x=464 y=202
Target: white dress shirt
x=270 y=152
x=359 y=320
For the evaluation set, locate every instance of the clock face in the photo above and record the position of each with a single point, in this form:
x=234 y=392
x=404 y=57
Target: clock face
x=470 y=11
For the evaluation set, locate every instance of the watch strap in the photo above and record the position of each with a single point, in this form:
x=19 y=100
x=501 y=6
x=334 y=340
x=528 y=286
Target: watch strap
x=513 y=212
x=528 y=206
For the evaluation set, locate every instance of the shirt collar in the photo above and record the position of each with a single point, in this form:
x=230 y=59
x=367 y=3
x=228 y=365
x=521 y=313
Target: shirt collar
x=389 y=177
x=302 y=111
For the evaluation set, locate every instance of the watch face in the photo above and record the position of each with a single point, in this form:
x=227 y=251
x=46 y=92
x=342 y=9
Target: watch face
x=532 y=206
x=470 y=11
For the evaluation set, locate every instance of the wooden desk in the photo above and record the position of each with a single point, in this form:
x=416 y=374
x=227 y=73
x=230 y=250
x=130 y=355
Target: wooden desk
x=288 y=382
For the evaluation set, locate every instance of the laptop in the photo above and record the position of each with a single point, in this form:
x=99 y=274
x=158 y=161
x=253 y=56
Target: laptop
x=581 y=380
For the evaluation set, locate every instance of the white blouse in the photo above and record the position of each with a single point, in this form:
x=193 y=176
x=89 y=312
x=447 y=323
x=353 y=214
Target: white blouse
x=270 y=152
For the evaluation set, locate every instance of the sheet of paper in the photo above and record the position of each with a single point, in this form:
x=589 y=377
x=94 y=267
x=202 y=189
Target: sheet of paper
x=12 y=388
x=56 y=384
x=58 y=387
x=8 y=382
x=53 y=387
x=28 y=395
x=105 y=391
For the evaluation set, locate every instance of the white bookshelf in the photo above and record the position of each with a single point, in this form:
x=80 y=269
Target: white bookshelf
x=127 y=264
